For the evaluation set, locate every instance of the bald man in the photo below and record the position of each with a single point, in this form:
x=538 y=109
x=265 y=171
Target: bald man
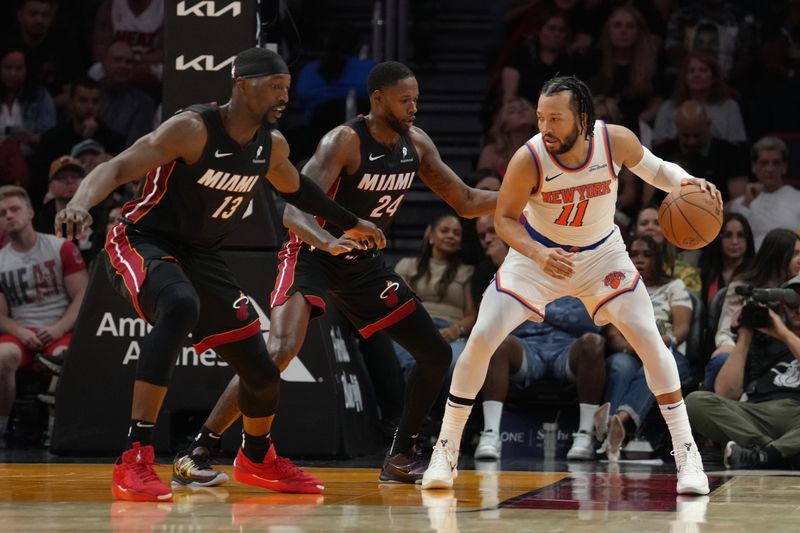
x=703 y=154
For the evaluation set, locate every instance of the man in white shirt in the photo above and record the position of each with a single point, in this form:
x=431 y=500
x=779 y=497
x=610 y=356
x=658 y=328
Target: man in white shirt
x=769 y=203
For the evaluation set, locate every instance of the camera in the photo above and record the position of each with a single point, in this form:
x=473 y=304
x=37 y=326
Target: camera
x=755 y=312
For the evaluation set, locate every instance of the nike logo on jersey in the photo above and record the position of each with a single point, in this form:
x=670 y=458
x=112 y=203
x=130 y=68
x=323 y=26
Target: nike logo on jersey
x=221 y=154
x=375 y=157
x=548 y=178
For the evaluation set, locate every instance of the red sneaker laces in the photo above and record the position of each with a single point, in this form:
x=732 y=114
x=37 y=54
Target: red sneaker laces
x=145 y=471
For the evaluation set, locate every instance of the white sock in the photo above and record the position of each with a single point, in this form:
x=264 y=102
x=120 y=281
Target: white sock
x=455 y=418
x=492 y=414
x=678 y=423
x=586 y=422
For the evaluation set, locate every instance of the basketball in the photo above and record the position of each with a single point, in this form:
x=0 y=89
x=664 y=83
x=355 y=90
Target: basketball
x=690 y=218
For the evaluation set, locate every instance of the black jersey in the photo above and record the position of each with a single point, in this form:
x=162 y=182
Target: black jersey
x=201 y=204
x=377 y=188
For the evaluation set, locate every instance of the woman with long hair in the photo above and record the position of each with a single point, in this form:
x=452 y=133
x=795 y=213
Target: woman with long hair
x=647 y=224
x=627 y=394
x=777 y=261
x=515 y=124
x=700 y=79
x=440 y=279
x=627 y=56
x=726 y=256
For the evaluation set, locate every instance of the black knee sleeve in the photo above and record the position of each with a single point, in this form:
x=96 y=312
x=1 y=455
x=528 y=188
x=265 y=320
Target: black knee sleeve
x=171 y=300
x=419 y=336
x=259 y=377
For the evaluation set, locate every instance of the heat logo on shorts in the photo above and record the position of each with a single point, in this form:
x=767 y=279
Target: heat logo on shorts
x=613 y=279
x=242 y=306
x=390 y=293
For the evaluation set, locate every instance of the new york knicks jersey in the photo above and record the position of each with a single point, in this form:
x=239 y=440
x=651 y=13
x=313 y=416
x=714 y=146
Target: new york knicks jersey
x=377 y=188
x=200 y=204
x=573 y=206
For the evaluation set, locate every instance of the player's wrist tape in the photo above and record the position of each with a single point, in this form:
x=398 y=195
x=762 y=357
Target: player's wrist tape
x=310 y=198
x=659 y=173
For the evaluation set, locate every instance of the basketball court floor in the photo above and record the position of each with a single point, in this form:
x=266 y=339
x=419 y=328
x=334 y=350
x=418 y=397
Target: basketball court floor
x=512 y=496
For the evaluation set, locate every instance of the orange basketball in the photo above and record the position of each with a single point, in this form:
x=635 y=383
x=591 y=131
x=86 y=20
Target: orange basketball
x=690 y=218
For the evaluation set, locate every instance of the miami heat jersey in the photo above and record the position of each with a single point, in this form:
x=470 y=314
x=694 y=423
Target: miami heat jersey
x=200 y=204
x=574 y=206
x=376 y=190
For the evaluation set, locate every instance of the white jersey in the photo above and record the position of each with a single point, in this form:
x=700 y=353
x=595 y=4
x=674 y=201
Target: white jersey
x=573 y=206
x=139 y=31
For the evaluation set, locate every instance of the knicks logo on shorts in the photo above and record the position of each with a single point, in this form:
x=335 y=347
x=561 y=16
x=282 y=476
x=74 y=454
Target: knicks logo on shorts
x=389 y=294
x=242 y=306
x=613 y=279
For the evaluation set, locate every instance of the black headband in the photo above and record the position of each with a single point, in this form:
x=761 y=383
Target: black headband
x=256 y=62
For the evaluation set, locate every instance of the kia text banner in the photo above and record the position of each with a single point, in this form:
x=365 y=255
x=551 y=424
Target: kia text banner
x=201 y=38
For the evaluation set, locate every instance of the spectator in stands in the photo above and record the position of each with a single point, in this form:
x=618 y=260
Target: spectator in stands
x=514 y=125
x=323 y=86
x=494 y=249
x=42 y=282
x=441 y=281
x=85 y=124
x=26 y=108
x=777 y=260
x=53 y=58
x=707 y=156
x=675 y=265
x=627 y=57
x=124 y=108
x=66 y=173
x=544 y=56
x=472 y=250
x=720 y=28
x=778 y=105
x=769 y=203
x=755 y=404
x=626 y=389
x=565 y=347
x=90 y=153
x=700 y=80
x=727 y=255
x=138 y=23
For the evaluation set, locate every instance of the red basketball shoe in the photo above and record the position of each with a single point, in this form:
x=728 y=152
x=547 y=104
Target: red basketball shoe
x=274 y=473
x=136 y=480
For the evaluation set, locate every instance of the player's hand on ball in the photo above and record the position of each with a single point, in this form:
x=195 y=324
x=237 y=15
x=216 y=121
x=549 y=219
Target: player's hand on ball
x=557 y=263
x=705 y=185
x=72 y=222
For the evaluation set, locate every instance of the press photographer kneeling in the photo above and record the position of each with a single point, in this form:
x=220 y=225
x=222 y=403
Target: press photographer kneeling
x=755 y=407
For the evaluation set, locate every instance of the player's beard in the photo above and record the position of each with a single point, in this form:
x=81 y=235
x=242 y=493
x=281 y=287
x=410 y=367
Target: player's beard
x=566 y=144
x=394 y=123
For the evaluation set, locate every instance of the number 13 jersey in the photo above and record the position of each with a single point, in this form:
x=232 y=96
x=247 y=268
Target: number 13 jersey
x=573 y=206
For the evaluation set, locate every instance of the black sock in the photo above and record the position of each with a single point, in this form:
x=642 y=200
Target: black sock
x=773 y=456
x=206 y=439
x=141 y=432
x=255 y=446
x=402 y=443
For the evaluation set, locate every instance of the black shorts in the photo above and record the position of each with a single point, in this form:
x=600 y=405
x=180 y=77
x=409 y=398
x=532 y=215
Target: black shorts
x=226 y=313
x=365 y=288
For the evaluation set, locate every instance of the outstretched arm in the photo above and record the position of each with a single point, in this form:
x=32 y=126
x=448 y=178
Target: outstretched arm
x=182 y=136
x=628 y=150
x=304 y=193
x=466 y=201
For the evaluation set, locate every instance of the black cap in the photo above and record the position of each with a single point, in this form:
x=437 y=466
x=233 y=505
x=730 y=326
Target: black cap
x=256 y=62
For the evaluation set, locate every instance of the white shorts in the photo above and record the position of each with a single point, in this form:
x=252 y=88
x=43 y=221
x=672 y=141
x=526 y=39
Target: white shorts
x=600 y=275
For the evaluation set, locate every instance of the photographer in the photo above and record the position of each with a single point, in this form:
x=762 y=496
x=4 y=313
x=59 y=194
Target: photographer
x=755 y=406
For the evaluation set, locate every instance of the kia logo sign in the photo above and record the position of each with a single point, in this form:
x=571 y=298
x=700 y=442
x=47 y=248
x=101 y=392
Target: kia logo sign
x=202 y=63
x=208 y=8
